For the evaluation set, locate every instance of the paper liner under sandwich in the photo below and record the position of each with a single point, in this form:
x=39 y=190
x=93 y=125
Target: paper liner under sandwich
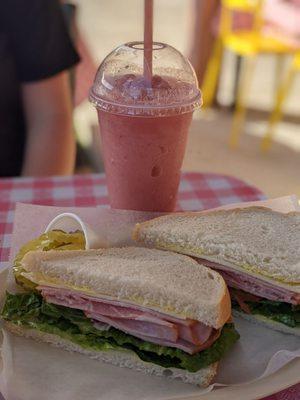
x=282 y=204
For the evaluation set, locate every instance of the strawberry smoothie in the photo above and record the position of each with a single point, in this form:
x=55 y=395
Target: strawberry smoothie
x=144 y=124
x=143 y=157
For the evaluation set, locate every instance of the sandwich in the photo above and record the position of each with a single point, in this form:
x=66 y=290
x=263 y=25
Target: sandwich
x=154 y=311
x=255 y=249
x=52 y=240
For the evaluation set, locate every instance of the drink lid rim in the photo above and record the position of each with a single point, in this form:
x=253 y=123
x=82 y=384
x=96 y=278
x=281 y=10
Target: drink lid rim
x=190 y=105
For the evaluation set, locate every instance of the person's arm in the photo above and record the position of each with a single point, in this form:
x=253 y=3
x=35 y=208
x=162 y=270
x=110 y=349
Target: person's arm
x=202 y=36
x=50 y=142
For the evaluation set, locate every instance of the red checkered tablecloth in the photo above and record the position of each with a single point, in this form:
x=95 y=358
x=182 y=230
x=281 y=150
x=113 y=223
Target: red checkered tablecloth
x=196 y=192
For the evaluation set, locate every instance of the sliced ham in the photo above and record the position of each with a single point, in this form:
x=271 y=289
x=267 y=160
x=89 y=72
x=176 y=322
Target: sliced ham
x=92 y=304
x=136 y=320
x=186 y=346
x=101 y=326
x=237 y=295
x=72 y=296
x=212 y=338
x=182 y=344
x=253 y=284
x=197 y=333
x=165 y=330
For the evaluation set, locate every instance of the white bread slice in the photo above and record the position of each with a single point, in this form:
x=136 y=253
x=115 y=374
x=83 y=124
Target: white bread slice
x=267 y=322
x=164 y=281
x=255 y=240
x=119 y=358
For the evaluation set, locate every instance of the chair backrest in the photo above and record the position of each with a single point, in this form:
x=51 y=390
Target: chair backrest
x=241 y=5
x=230 y=8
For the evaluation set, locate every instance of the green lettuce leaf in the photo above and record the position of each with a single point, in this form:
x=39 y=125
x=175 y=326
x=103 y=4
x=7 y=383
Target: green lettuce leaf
x=278 y=311
x=31 y=310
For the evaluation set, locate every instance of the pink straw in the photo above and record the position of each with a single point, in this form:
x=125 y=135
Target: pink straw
x=148 y=40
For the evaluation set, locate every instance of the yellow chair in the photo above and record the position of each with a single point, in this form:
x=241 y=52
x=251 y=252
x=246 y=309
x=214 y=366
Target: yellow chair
x=247 y=43
x=281 y=96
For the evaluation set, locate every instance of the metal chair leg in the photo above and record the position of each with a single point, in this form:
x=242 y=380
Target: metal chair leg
x=240 y=110
x=277 y=112
x=211 y=76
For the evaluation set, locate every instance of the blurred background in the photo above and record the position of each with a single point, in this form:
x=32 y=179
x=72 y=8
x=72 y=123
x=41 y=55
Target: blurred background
x=246 y=57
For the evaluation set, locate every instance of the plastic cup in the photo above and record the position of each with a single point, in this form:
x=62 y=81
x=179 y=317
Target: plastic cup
x=70 y=222
x=144 y=124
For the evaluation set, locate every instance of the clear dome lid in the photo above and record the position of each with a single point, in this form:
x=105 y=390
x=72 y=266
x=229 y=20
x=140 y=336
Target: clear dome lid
x=120 y=86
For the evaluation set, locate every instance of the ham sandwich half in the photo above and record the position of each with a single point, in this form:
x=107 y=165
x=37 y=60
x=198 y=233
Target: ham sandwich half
x=151 y=310
x=255 y=249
